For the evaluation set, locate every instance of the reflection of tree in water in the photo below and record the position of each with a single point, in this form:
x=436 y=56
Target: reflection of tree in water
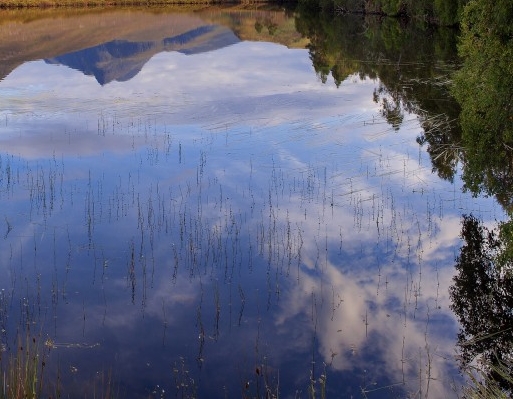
x=483 y=87
x=258 y=25
x=271 y=26
x=482 y=295
x=412 y=62
x=415 y=66
x=391 y=109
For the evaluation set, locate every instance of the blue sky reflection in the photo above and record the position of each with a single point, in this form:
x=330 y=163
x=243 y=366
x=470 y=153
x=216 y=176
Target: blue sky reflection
x=230 y=203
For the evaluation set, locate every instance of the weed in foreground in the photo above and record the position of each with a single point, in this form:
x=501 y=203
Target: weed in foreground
x=487 y=381
x=22 y=372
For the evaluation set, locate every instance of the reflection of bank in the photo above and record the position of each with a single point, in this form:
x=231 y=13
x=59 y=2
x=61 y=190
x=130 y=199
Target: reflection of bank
x=26 y=35
x=121 y=60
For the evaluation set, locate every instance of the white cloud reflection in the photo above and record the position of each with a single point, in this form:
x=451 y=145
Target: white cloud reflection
x=247 y=84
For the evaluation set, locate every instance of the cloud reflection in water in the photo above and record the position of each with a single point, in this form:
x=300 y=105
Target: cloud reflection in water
x=230 y=203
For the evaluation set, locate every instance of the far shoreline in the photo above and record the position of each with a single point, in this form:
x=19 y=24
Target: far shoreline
x=13 y=4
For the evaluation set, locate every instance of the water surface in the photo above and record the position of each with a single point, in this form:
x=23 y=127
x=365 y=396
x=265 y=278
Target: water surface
x=196 y=207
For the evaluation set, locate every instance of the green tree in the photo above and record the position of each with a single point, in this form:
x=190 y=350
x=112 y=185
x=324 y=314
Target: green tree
x=484 y=89
x=448 y=12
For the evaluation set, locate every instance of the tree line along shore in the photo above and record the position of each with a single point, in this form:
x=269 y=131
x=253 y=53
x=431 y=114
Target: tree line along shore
x=440 y=12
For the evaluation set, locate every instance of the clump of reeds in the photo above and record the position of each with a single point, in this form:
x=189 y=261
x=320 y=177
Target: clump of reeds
x=489 y=381
x=22 y=370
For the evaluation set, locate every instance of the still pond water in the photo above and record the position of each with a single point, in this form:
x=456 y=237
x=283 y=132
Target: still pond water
x=194 y=205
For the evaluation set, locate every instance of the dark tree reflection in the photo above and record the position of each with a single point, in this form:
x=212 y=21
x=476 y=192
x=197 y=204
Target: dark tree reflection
x=413 y=62
x=482 y=296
